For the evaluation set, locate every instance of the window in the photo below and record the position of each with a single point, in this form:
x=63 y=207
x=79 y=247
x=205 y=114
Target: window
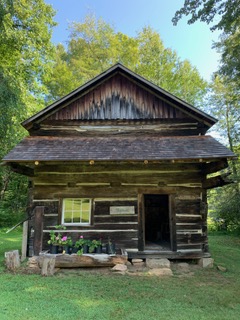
x=76 y=211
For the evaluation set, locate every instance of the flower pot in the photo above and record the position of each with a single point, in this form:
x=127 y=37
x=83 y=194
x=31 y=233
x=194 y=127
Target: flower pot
x=75 y=249
x=60 y=249
x=54 y=249
x=110 y=248
x=67 y=249
x=98 y=249
x=85 y=248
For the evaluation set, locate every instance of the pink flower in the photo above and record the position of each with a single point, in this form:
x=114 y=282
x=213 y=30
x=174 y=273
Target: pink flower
x=64 y=238
x=81 y=237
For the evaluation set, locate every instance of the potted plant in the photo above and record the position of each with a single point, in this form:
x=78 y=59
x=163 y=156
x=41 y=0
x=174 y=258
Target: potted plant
x=54 y=241
x=95 y=246
x=110 y=247
x=67 y=244
x=81 y=244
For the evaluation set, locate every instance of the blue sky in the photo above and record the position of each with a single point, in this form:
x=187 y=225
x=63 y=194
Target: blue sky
x=192 y=42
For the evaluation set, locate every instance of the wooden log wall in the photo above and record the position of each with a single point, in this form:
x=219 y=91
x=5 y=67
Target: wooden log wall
x=122 y=229
x=122 y=188
x=165 y=127
x=190 y=222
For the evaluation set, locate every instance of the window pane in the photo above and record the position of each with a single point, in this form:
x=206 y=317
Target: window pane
x=85 y=216
x=68 y=217
x=76 y=205
x=76 y=211
x=67 y=205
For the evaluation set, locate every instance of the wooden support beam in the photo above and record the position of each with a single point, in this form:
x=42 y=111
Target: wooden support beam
x=218 y=181
x=141 y=222
x=24 y=241
x=214 y=166
x=116 y=179
x=38 y=230
x=120 y=167
x=21 y=169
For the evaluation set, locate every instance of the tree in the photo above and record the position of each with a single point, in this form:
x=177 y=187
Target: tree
x=163 y=67
x=227 y=14
x=229 y=47
x=224 y=105
x=26 y=54
x=94 y=46
x=224 y=95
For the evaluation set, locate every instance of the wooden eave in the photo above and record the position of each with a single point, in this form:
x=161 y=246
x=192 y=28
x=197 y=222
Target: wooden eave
x=34 y=167
x=176 y=102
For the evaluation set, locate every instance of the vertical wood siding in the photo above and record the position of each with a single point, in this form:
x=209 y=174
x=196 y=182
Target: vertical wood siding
x=118 y=98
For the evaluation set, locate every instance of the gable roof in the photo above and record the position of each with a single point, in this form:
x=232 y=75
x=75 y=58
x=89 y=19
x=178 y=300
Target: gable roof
x=172 y=100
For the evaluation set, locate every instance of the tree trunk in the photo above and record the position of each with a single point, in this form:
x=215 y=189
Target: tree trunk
x=12 y=260
x=48 y=265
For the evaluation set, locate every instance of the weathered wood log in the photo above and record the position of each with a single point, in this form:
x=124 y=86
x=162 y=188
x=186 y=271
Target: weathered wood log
x=214 y=166
x=85 y=260
x=24 y=241
x=48 y=265
x=38 y=227
x=12 y=260
x=218 y=181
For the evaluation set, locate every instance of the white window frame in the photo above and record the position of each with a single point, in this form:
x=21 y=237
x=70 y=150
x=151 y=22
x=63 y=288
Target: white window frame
x=77 y=223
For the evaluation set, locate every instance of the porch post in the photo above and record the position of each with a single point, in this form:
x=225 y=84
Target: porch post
x=24 y=241
x=38 y=230
x=140 y=223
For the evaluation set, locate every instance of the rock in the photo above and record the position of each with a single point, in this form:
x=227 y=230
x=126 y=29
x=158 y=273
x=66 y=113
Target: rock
x=136 y=261
x=33 y=263
x=160 y=272
x=220 y=268
x=157 y=263
x=183 y=267
x=206 y=262
x=119 y=268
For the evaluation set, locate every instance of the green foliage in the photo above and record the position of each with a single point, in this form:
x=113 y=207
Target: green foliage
x=25 y=43
x=164 y=68
x=26 y=54
x=13 y=202
x=227 y=15
x=207 y=10
x=229 y=47
x=224 y=203
x=224 y=104
x=227 y=208
x=94 y=46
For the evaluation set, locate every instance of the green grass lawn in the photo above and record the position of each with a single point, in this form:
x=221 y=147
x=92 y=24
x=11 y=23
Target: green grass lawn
x=209 y=294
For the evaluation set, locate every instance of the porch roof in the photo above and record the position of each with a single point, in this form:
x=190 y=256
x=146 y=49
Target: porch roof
x=119 y=148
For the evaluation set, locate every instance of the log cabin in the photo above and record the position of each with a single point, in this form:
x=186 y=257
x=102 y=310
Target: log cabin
x=121 y=158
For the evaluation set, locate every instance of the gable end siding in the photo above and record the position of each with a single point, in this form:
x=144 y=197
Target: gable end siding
x=118 y=98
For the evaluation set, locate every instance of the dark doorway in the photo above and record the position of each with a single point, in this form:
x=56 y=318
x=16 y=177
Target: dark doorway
x=157 y=229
